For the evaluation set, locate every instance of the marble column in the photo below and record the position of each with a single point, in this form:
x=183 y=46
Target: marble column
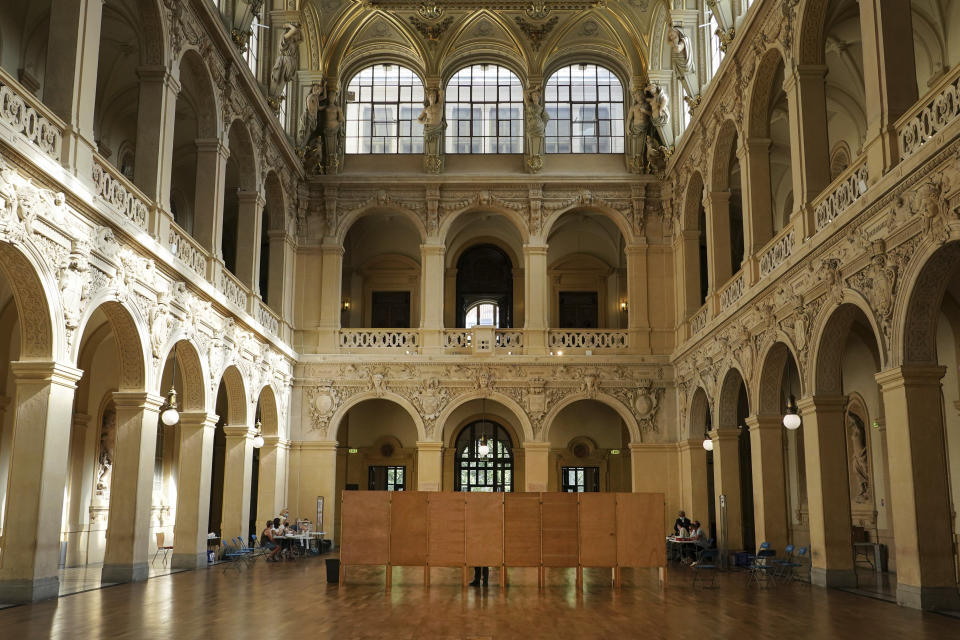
x=249 y=219
x=431 y=297
x=726 y=483
x=757 y=213
x=429 y=465
x=131 y=488
x=316 y=467
x=693 y=477
x=237 y=474
x=638 y=308
x=194 y=467
x=208 y=200
x=828 y=491
x=36 y=480
x=536 y=290
x=156 y=118
x=919 y=487
x=536 y=457
x=769 y=480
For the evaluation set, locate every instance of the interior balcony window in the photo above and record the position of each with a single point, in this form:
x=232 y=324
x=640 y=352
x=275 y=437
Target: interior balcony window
x=484 y=314
x=585 y=104
x=484 y=110
x=383 y=104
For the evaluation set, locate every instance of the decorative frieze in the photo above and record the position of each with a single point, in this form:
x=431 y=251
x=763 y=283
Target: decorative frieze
x=777 y=253
x=935 y=116
x=732 y=293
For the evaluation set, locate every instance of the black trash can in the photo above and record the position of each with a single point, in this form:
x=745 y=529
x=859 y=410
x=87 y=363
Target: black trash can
x=333 y=570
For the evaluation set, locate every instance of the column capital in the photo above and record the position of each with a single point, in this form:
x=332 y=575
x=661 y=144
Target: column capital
x=691 y=444
x=432 y=249
x=46 y=371
x=158 y=73
x=239 y=431
x=429 y=445
x=137 y=400
x=212 y=145
x=535 y=445
x=757 y=144
x=332 y=249
x=535 y=249
x=633 y=250
x=910 y=375
x=821 y=403
x=198 y=419
x=764 y=422
x=725 y=434
x=251 y=197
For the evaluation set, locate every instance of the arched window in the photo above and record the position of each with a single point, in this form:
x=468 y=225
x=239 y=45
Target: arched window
x=484 y=107
x=252 y=45
x=484 y=458
x=383 y=104
x=585 y=104
x=484 y=314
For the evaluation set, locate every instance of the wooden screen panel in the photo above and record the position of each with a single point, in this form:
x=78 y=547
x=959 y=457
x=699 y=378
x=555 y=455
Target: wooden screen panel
x=484 y=529
x=521 y=529
x=598 y=529
x=446 y=545
x=365 y=528
x=408 y=528
x=640 y=530
x=559 y=533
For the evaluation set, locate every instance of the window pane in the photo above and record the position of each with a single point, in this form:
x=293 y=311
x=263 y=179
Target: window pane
x=388 y=99
x=591 y=99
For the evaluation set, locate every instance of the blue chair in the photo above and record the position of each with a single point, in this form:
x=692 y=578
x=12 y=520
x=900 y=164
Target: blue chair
x=789 y=568
x=706 y=563
x=762 y=566
x=780 y=563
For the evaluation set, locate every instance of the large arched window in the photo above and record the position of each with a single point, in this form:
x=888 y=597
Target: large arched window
x=383 y=104
x=585 y=104
x=484 y=107
x=484 y=458
x=484 y=287
x=485 y=314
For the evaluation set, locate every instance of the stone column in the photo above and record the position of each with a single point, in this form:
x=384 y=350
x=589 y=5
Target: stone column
x=131 y=490
x=693 y=477
x=536 y=470
x=687 y=271
x=281 y=277
x=249 y=219
x=70 y=78
x=919 y=486
x=757 y=212
x=431 y=297
x=194 y=467
x=208 y=200
x=726 y=482
x=316 y=463
x=429 y=465
x=237 y=473
x=535 y=291
x=719 y=265
x=890 y=79
x=36 y=479
x=769 y=480
x=156 y=116
x=79 y=489
x=809 y=155
x=272 y=483
x=331 y=277
x=828 y=491
x=638 y=314
x=6 y=445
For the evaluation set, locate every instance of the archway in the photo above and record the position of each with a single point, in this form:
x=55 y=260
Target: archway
x=733 y=471
x=231 y=471
x=697 y=462
x=484 y=285
x=589 y=449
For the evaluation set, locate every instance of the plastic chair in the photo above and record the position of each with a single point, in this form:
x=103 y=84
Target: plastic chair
x=707 y=562
x=165 y=549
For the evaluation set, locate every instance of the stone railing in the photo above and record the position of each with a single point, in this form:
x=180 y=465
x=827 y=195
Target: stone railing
x=611 y=339
x=931 y=116
x=379 y=338
x=187 y=250
x=777 y=251
x=232 y=288
x=268 y=318
x=509 y=339
x=841 y=193
x=699 y=320
x=457 y=339
x=29 y=118
x=731 y=293
x=119 y=193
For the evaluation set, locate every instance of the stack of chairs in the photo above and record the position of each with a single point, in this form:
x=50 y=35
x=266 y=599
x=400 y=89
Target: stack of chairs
x=238 y=554
x=763 y=566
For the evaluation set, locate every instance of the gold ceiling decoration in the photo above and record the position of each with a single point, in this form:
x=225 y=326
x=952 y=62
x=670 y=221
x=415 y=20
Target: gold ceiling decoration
x=435 y=8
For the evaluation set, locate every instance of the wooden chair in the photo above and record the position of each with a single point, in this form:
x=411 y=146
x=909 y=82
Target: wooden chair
x=165 y=549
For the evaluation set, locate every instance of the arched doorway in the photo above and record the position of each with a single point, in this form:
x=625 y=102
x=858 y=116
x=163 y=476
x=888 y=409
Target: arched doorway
x=484 y=458
x=484 y=287
x=589 y=449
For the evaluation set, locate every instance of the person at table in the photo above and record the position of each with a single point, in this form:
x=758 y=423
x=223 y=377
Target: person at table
x=699 y=538
x=682 y=522
x=267 y=541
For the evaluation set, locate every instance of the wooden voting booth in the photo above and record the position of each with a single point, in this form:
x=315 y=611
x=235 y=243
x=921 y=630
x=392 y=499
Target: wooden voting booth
x=542 y=530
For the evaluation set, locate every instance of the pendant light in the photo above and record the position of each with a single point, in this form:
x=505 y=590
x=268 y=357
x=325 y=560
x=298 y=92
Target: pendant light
x=258 y=439
x=707 y=441
x=791 y=419
x=168 y=411
x=483 y=447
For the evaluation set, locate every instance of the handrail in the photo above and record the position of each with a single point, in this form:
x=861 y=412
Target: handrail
x=614 y=339
x=28 y=116
x=936 y=110
x=732 y=292
x=230 y=286
x=775 y=253
x=186 y=249
x=699 y=320
x=378 y=338
x=119 y=193
x=841 y=193
x=269 y=318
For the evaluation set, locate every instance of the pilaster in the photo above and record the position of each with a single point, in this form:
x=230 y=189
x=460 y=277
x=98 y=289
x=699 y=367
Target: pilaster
x=193 y=490
x=429 y=465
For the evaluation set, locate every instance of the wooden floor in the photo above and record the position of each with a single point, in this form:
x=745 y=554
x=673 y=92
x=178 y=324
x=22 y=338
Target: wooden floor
x=285 y=600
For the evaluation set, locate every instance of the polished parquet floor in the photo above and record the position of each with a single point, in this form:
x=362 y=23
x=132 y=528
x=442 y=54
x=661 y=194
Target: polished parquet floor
x=293 y=600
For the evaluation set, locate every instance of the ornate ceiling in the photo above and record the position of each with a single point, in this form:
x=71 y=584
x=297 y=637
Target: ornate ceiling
x=435 y=38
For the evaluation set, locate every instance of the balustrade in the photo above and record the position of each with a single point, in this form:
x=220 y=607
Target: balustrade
x=268 y=318
x=379 y=338
x=841 y=193
x=186 y=249
x=594 y=339
x=731 y=293
x=29 y=119
x=457 y=339
x=699 y=320
x=232 y=288
x=777 y=251
x=509 y=339
x=119 y=193
x=931 y=116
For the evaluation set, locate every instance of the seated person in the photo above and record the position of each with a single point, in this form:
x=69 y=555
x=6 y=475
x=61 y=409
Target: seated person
x=681 y=522
x=267 y=542
x=696 y=532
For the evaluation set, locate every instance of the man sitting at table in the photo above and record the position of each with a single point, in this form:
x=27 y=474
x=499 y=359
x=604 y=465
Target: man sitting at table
x=267 y=542
x=682 y=522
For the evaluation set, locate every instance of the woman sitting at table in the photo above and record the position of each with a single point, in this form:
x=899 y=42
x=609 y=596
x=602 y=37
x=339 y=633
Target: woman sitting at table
x=267 y=542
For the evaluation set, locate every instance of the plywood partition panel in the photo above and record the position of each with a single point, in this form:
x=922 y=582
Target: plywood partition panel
x=559 y=537
x=598 y=529
x=521 y=529
x=640 y=530
x=484 y=529
x=408 y=529
x=447 y=544
x=365 y=528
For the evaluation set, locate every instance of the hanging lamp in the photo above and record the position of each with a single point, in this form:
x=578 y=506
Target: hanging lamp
x=169 y=414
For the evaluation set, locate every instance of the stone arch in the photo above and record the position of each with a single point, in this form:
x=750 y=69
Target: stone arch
x=599 y=58
x=728 y=397
x=133 y=347
x=40 y=328
x=244 y=153
x=761 y=91
x=156 y=31
x=204 y=98
x=774 y=362
x=357 y=61
x=379 y=207
x=622 y=410
x=453 y=253
x=723 y=149
x=492 y=53
x=918 y=306
x=275 y=207
x=692 y=201
x=509 y=403
x=235 y=387
x=515 y=217
x=395 y=398
x=811 y=21
x=344 y=58
x=193 y=374
x=611 y=214
x=700 y=417
x=834 y=330
x=269 y=412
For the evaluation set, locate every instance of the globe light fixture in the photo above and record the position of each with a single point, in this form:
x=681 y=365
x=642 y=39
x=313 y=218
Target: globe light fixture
x=258 y=439
x=707 y=442
x=791 y=419
x=168 y=411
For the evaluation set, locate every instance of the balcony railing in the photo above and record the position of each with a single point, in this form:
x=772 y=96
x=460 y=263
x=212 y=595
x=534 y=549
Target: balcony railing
x=186 y=249
x=841 y=193
x=232 y=288
x=268 y=318
x=731 y=293
x=457 y=339
x=509 y=339
x=777 y=251
x=931 y=116
x=379 y=338
x=593 y=339
x=119 y=193
x=699 y=320
x=29 y=119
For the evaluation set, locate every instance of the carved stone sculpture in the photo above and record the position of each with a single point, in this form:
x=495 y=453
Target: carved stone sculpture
x=108 y=430
x=657 y=98
x=859 y=459
x=287 y=62
x=333 y=133
x=308 y=133
x=681 y=60
x=638 y=123
x=434 y=125
x=535 y=124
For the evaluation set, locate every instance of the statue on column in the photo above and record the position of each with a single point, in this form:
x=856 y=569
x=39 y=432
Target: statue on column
x=659 y=111
x=647 y=122
x=859 y=457
x=286 y=64
x=681 y=61
x=434 y=125
x=333 y=133
x=535 y=126
x=308 y=128
x=638 y=124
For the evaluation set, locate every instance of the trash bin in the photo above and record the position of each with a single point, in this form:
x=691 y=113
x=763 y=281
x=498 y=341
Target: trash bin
x=333 y=570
